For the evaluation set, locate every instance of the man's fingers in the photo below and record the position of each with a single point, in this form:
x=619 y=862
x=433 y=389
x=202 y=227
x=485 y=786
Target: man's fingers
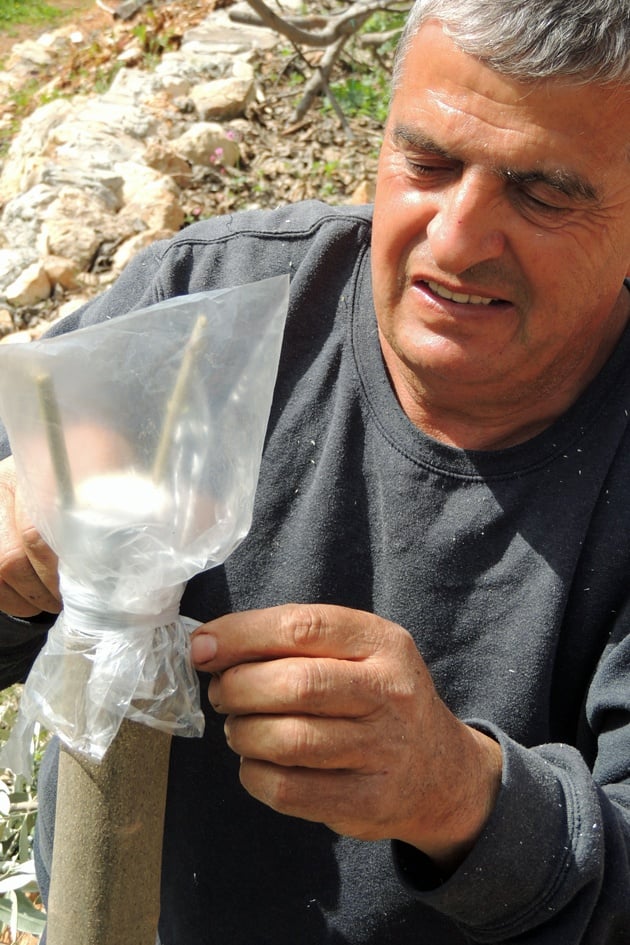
x=326 y=687
x=43 y=561
x=302 y=741
x=28 y=568
x=349 y=800
x=22 y=592
x=17 y=606
x=288 y=630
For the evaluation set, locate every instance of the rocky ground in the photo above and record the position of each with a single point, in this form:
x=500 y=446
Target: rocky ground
x=282 y=159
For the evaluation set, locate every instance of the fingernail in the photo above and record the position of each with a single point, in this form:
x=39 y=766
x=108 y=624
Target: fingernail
x=203 y=648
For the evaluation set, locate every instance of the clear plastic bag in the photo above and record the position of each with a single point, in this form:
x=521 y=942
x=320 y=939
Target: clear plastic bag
x=137 y=443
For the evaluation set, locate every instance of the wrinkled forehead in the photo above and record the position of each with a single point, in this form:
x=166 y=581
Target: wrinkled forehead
x=439 y=77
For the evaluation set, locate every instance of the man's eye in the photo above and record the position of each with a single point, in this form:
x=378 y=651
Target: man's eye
x=543 y=205
x=420 y=169
x=542 y=208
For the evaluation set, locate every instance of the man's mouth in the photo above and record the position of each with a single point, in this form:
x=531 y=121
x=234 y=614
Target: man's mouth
x=461 y=297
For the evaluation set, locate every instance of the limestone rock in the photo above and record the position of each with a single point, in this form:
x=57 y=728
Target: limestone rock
x=61 y=271
x=151 y=200
x=27 y=153
x=30 y=287
x=61 y=237
x=120 y=117
x=6 y=322
x=104 y=186
x=90 y=181
x=138 y=176
x=166 y=160
x=32 y=51
x=83 y=135
x=207 y=142
x=174 y=86
x=222 y=99
x=131 y=55
x=220 y=34
x=74 y=225
x=156 y=207
x=12 y=262
x=20 y=222
x=140 y=241
x=16 y=338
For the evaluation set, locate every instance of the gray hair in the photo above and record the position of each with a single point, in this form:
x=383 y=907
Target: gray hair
x=584 y=40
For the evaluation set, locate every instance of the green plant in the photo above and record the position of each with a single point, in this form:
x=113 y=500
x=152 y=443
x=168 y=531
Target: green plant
x=98 y=78
x=27 y=11
x=363 y=94
x=18 y=810
x=385 y=22
x=154 y=43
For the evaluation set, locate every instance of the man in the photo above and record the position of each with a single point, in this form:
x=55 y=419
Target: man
x=421 y=652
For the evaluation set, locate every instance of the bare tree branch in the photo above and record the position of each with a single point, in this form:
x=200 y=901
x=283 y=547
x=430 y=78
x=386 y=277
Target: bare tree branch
x=342 y=24
x=330 y=32
x=377 y=39
x=318 y=82
x=313 y=21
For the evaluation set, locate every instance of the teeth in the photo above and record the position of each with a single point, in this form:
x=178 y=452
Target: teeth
x=458 y=296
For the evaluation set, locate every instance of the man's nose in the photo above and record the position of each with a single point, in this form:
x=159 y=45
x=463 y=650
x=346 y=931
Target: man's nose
x=467 y=228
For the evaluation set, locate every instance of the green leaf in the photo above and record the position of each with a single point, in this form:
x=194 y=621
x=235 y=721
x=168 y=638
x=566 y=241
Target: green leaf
x=18 y=878
x=29 y=919
x=24 y=847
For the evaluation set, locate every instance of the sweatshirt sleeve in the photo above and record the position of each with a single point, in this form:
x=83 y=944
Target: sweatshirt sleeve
x=20 y=642
x=553 y=863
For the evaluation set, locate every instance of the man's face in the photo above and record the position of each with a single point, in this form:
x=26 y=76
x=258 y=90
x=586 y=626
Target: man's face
x=501 y=233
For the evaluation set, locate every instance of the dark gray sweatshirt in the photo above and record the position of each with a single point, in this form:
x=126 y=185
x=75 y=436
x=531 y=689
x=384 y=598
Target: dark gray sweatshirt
x=511 y=571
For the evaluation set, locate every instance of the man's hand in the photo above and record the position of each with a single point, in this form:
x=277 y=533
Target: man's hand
x=28 y=568
x=337 y=720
